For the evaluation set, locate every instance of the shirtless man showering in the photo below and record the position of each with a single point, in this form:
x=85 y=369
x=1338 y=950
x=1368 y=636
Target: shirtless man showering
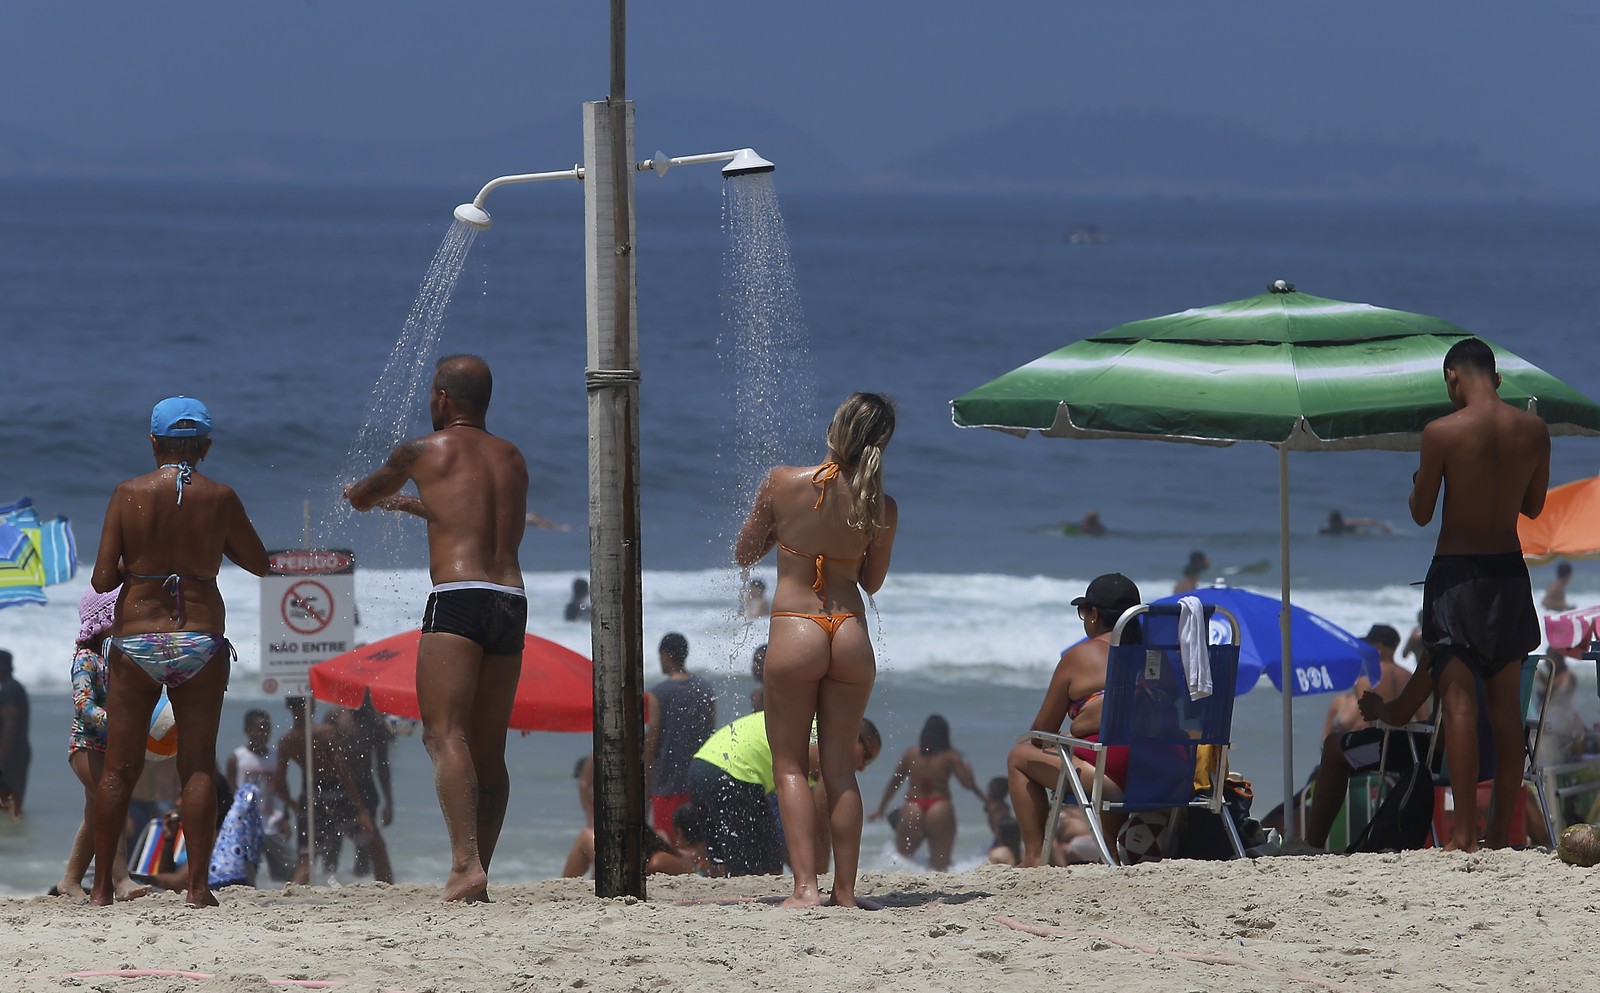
x=472 y=489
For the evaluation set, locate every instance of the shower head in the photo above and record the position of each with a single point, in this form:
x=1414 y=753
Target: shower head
x=473 y=216
x=473 y=213
x=746 y=163
x=742 y=162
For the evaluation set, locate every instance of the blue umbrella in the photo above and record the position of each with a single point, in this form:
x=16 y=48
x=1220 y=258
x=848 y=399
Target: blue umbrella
x=1327 y=658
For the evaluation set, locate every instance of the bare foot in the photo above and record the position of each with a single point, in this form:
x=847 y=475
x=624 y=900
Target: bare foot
x=102 y=895
x=201 y=898
x=1452 y=846
x=857 y=902
x=68 y=889
x=808 y=896
x=467 y=886
x=127 y=889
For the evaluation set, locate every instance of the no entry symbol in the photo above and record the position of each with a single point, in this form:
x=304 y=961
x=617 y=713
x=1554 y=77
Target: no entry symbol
x=307 y=607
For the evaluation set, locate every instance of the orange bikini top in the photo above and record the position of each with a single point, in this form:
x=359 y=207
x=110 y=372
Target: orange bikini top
x=826 y=473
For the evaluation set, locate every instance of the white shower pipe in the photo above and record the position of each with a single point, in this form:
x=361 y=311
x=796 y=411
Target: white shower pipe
x=741 y=162
x=474 y=214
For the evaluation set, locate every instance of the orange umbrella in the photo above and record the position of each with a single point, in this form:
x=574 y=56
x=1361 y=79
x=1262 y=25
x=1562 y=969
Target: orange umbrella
x=555 y=693
x=1569 y=527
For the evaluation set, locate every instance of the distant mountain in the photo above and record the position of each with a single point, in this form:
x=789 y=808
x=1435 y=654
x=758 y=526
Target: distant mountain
x=1133 y=153
x=1112 y=153
x=680 y=128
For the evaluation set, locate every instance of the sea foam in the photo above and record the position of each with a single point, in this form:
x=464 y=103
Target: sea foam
x=936 y=625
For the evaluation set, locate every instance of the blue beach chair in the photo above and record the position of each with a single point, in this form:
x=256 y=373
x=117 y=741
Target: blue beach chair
x=1148 y=709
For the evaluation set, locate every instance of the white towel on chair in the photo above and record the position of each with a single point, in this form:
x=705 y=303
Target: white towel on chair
x=1194 y=646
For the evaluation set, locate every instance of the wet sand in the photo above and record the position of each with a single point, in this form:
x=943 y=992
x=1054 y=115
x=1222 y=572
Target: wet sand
x=1419 y=921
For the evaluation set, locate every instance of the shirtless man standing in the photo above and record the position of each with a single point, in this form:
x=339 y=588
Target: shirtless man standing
x=472 y=490
x=1478 y=621
x=164 y=548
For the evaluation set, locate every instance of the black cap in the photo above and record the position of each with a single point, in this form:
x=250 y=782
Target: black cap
x=1383 y=634
x=1113 y=592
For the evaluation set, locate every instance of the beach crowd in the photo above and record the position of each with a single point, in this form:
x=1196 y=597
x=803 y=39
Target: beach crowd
x=776 y=787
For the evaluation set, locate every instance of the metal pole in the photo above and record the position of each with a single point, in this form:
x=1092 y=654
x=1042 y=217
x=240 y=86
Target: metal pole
x=311 y=779
x=310 y=792
x=612 y=379
x=1290 y=822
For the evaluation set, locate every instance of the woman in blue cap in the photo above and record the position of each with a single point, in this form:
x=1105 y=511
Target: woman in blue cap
x=165 y=535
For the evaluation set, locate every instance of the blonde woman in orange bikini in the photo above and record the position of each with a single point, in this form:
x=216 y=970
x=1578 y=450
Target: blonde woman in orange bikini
x=833 y=527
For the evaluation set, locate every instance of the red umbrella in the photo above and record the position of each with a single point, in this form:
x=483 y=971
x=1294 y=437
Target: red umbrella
x=555 y=693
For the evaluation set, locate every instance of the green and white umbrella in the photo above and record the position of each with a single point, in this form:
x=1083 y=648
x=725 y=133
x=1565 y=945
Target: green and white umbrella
x=1298 y=372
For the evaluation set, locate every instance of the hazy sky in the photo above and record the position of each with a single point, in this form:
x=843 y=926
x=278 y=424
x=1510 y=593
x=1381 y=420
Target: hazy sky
x=871 y=79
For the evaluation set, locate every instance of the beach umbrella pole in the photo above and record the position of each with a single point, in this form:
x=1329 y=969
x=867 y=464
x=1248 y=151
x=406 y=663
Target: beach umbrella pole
x=1291 y=827
x=309 y=790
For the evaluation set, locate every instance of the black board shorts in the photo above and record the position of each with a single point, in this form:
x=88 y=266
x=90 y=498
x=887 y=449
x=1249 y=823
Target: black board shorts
x=1479 y=609
x=493 y=617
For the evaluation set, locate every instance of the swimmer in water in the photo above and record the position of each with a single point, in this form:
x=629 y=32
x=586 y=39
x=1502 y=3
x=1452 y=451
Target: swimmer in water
x=1340 y=524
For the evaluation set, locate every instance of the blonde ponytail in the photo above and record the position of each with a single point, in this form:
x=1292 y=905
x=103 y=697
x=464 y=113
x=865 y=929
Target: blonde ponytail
x=860 y=430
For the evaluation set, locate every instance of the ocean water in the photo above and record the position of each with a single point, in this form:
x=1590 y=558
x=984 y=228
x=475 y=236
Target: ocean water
x=280 y=307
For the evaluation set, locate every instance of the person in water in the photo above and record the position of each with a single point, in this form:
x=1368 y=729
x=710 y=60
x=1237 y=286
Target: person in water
x=1479 y=621
x=577 y=608
x=1340 y=524
x=753 y=600
x=833 y=527
x=929 y=814
x=471 y=489
x=164 y=536
x=1555 y=595
x=1076 y=693
x=1192 y=570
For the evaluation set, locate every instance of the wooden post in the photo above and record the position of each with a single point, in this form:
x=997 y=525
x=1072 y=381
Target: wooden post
x=616 y=611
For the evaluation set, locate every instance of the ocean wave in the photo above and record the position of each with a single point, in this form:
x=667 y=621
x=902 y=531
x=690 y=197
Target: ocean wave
x=942 y=627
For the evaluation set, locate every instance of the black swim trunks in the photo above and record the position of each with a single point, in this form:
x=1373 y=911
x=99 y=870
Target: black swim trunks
x=1478 y=608
x=493 y=616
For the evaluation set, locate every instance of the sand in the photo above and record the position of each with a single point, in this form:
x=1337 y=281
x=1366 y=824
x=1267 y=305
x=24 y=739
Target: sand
x=1419 y=921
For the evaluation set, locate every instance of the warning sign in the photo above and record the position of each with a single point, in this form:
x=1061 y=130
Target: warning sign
x=307 y=607
x=307 y=615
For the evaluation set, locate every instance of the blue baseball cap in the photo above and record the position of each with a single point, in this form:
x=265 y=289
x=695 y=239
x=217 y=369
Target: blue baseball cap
x=167 y=415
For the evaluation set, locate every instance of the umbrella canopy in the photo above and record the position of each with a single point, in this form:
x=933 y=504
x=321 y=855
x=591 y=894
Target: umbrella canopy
x=1286 y=368
x=21 y=571
x=1572 y=629
x=1295 y=371
x=1327 y=658
x=555 y=693
x=1569 y=527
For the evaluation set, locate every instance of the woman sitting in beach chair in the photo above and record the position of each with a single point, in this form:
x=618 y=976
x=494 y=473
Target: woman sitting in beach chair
x=1076 y=692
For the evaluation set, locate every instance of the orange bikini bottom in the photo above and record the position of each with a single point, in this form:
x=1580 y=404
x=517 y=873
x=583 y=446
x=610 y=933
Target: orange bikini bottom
x=830 y=623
